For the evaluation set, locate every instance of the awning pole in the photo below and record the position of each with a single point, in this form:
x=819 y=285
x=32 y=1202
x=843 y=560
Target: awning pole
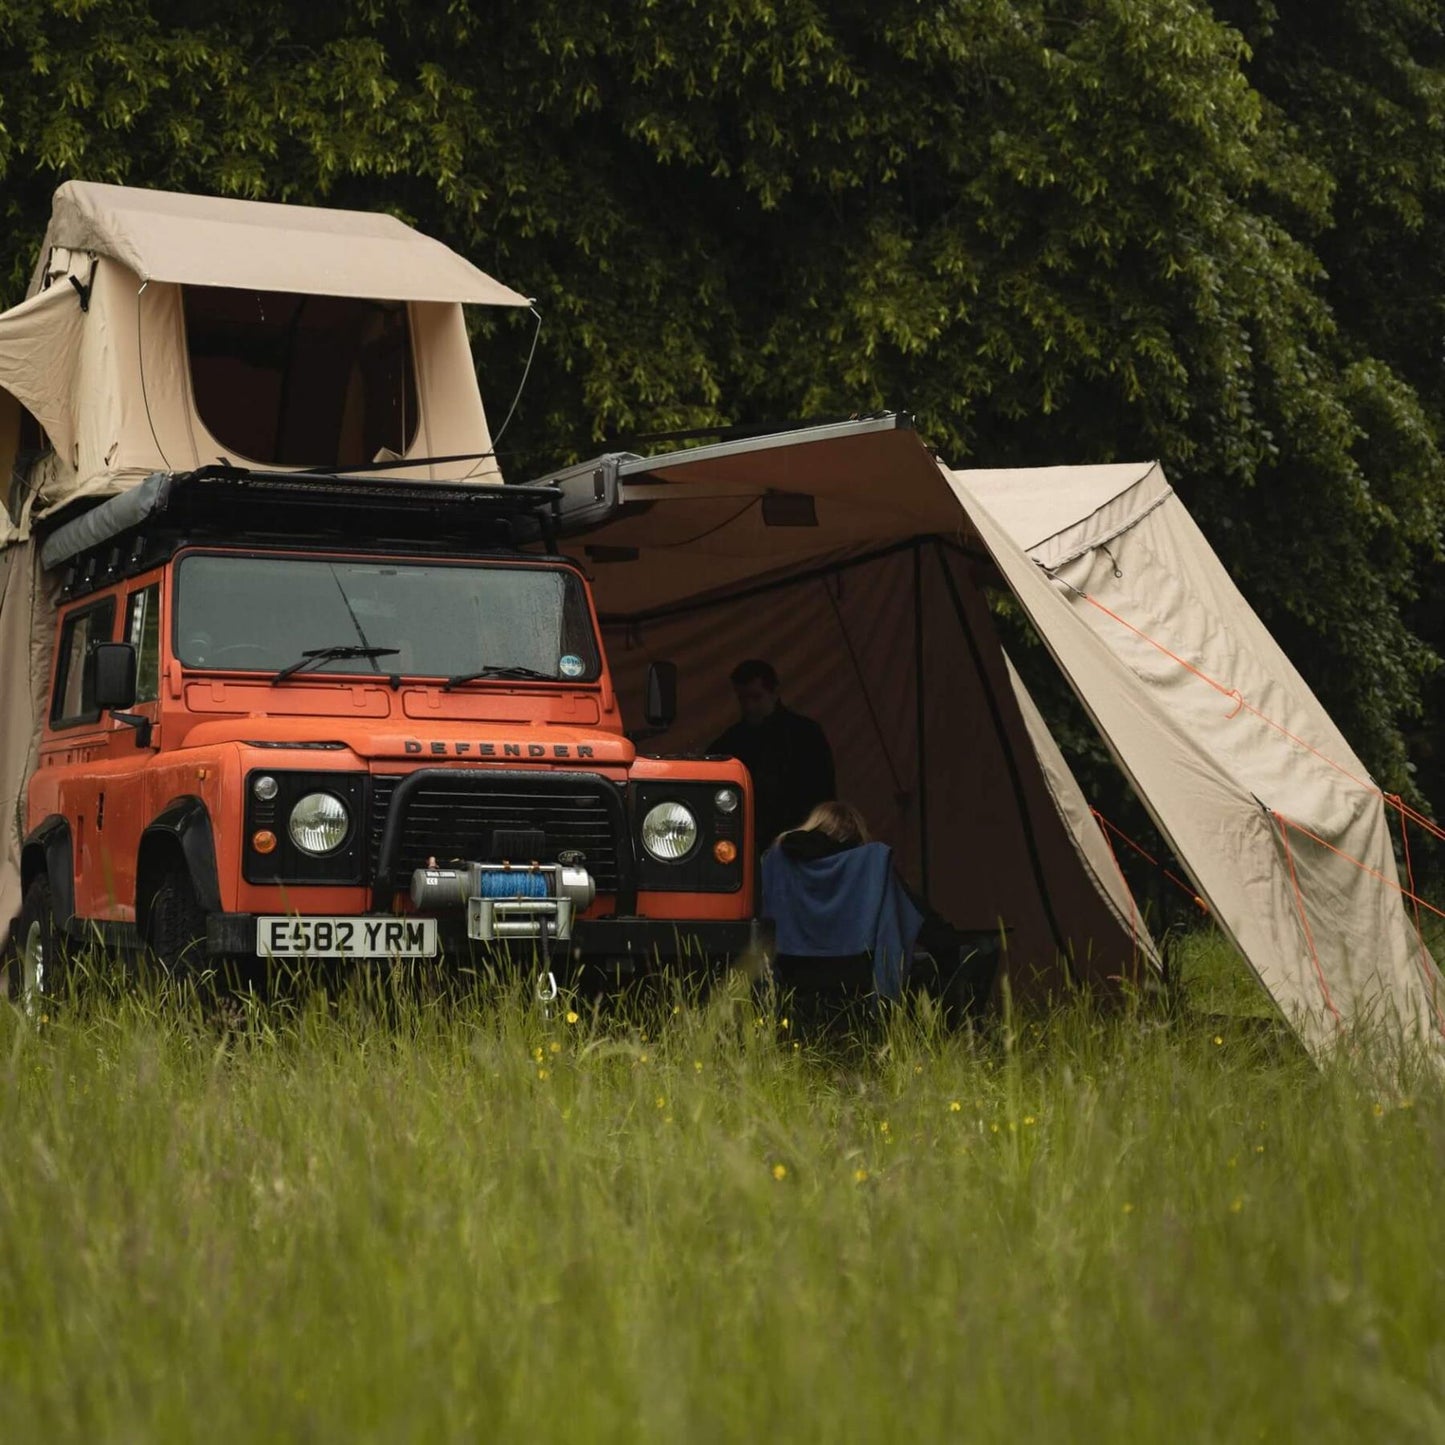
x=921 y=787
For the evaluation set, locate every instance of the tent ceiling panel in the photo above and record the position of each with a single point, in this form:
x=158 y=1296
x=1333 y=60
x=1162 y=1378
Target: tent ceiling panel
x=692 y=523
x=261 y=246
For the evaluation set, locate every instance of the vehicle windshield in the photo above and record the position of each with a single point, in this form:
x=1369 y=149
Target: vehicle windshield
x=261 y=614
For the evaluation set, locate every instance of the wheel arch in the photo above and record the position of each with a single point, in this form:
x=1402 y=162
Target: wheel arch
x=180 y=833
x=49 y=852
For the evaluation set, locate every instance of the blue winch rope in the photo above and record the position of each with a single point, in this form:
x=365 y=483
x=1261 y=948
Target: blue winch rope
x=514 y=883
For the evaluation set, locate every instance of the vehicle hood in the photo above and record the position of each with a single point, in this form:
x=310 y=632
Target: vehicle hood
x=551 y=744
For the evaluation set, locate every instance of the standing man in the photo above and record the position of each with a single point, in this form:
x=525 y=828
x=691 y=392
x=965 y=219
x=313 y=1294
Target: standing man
x=786 y=753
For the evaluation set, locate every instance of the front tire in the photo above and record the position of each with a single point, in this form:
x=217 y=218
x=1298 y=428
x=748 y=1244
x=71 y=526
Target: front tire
x=36 y=973
x=176 y=931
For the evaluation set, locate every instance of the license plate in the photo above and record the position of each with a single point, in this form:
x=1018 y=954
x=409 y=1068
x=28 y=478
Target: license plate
x=353 y=937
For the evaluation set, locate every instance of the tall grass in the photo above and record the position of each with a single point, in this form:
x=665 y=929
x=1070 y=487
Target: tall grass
x=410 y=1219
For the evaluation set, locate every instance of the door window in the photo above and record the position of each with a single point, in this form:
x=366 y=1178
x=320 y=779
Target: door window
x=73 y=702
x=143 y=632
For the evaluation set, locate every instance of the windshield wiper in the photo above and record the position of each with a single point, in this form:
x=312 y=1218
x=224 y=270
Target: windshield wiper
x=527 y=674
x=318 y=655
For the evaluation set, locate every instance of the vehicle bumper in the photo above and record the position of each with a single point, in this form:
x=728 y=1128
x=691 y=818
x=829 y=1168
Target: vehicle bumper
x=644 y=941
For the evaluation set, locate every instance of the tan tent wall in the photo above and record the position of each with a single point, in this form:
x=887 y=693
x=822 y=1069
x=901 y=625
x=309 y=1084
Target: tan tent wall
x=26 y=617
x=1223 y=741
x=112 y=386
x=1080 y=825
x=865 y=648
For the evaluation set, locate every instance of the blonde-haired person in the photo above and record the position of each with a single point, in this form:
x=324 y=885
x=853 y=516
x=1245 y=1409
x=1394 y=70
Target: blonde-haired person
x=839 y=822
x=836 y=827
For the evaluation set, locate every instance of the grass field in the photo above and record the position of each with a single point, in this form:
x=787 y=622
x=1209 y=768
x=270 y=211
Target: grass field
x=471 y=1222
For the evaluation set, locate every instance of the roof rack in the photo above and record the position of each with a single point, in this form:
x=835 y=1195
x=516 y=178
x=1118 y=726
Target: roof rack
x=238 y=502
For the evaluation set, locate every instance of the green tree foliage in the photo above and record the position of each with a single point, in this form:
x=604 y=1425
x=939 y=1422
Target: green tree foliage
x=1054 y=230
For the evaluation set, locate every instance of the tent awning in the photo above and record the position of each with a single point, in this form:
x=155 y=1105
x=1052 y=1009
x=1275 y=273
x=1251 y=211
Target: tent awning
x=262 y=246
x=711 y=518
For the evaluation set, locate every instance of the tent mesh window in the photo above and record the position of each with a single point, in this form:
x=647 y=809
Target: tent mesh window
x=309 y=381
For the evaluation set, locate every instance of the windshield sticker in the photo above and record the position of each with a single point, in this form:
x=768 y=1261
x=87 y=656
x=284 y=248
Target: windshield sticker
x=571 y=665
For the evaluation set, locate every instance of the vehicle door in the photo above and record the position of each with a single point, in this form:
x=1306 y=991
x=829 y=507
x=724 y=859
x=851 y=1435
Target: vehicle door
x=75 y=746
x=121 y=805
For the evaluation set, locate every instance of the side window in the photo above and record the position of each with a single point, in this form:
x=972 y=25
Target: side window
x=143 y=632
x=72 y=702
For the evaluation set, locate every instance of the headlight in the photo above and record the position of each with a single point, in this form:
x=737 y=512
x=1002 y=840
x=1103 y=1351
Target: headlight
x=319 y=823
x=669 y=832
x=265 y=788
x=725 y=800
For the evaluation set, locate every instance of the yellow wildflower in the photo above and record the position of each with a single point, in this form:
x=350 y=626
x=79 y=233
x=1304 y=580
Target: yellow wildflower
x=697 y=1066
x=1029 y=1119
x=954 y=1107
x=860 y=1176
x=1128 y=1209
x=1218 y=1039
x=543 y=1074
x=661 y=1102
x=1236 y=1204
x=780 y=1172
x=572 y=1016
x=554 y=1047
x=537 y=1054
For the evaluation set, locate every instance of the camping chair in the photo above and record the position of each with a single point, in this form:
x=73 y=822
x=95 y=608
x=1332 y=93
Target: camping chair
x=844 y=930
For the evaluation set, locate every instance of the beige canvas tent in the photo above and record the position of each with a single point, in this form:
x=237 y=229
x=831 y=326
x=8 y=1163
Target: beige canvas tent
x=860 y=559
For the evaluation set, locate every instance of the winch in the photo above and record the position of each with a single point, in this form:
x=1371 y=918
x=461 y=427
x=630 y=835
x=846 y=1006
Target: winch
x=506 y=900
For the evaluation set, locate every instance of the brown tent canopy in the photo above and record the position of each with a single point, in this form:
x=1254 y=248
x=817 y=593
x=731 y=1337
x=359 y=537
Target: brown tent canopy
x=857 y=563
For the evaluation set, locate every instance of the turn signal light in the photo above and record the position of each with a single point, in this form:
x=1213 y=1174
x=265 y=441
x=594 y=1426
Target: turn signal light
x=263 y=840
x=725 y=851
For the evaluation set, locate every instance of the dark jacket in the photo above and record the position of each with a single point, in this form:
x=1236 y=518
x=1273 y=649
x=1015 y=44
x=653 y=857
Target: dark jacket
x=791 y=765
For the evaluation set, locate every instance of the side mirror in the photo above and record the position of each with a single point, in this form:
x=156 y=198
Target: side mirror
x=661 y=708
x=112 y=671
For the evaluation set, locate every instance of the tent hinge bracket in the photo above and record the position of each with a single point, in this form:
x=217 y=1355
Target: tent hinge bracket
x=82 y=289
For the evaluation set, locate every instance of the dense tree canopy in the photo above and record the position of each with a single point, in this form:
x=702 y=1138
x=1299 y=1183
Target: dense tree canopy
x=1053 y=229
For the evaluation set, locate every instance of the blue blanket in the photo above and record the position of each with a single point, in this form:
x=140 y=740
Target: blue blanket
x=848 y=903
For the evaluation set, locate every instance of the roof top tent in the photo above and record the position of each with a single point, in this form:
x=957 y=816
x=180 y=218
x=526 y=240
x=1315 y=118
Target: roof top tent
x=856 y=561
x=166 y=333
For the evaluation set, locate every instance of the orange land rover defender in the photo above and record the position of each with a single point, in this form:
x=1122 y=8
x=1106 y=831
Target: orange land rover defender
x=314 y=716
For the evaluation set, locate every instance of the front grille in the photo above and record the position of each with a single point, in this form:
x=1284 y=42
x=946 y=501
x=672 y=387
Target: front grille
x=454 y=817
